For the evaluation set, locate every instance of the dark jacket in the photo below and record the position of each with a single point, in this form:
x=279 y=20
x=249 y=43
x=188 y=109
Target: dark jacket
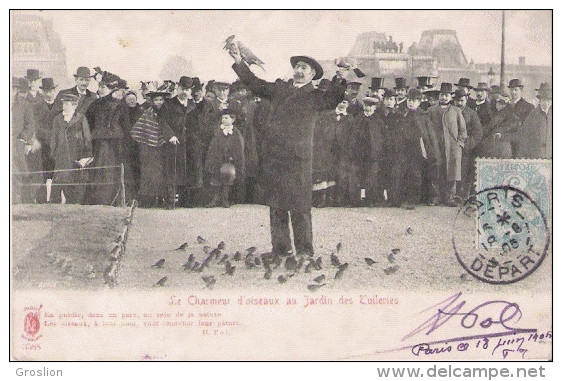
x=222 y=150
x=287 y=164
x=504 y=123
x=474 y=129
x=484 y=112
x=536 y=135
x=83 y=103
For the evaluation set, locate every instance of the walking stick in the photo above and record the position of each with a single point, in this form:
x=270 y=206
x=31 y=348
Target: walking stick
x=175 y=174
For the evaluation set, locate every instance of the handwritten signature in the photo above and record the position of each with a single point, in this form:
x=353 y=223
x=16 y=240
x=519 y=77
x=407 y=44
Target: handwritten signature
x=488 y=316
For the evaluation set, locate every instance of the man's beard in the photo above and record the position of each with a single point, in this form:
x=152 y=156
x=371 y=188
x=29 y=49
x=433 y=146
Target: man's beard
x=443 y=103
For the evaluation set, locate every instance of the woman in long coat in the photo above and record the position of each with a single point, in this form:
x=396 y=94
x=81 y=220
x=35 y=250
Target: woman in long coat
x=152 y=132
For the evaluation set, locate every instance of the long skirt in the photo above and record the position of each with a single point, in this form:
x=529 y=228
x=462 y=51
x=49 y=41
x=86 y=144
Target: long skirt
x=152 y=181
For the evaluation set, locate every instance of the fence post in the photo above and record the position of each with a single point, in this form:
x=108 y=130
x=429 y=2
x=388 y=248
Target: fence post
x=123 y=200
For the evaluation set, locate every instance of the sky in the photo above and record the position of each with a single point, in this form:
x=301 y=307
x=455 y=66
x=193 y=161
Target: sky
x=136 y=44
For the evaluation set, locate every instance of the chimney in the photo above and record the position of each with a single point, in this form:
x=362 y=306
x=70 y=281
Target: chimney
x=522 y=61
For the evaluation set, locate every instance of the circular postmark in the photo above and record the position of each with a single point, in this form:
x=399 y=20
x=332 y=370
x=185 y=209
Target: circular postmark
x=500 y=235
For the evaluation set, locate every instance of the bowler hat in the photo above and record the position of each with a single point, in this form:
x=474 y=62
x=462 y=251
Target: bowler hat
x=446 y=87
x=312 y=62
x=197 y=83
x=544 y=91
x=70 y=98
x=47 y=84
x=400 y=83
x=414 y=94
x=186 y=82
x=389 y=93
x=32 y=75
x=482 y=86
x=515 y=83
x=459 y=94
x=465 y=82
x=324 y=84
x=376 y=83
x=83 y=72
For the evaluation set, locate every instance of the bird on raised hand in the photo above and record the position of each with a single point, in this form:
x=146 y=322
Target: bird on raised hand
x=315 y=287
x=159 y=264
x=335 y=260
x=161 y=282
x=320 y=279
x=247 y=55
x=183 y=246
x=221 y=245
x=267 y=274
x=201 y=240
x=391 y=270
x=237 y=256
x=369 y=261
x=281 y=279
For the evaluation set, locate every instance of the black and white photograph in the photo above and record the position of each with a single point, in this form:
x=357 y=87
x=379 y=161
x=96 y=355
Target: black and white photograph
x=281 y=185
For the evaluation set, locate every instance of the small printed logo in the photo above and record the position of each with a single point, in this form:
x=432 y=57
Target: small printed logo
x=32 y=323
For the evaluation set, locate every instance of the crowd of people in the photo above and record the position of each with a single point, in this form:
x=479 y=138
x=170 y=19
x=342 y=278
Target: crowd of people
x=191 y=144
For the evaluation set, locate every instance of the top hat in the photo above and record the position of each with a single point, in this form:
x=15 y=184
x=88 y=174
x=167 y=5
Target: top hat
x=47 y=84
x=446 y=87
x=377 y=83
x=482 y=86
x=83 y=72
x=389 y=93
x=312 y=62
x=400 y=83
x=459 y=94
x=186 y=82
x=544 y=91
x=424 y=82
x=32 y=75
x=414 y=94
x=68 y=97
x=431 y=93
x=515 y=83
x=465 y=82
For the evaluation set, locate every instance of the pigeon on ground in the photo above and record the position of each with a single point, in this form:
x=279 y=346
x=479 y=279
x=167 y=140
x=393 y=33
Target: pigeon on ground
x=335 y=260
x=201 y=240
x=257 y=261
x=391 y=270
x=464 y=277
x=159 y=264
x=309 y=267
x=183 y=246
x=320 y=279
x=229 y=269
x=209 y=280
x=369 y=261
x=207 y=249
x=237 y=256
x=161 y=282
x=315 y=287
x=299 y=264
x=223 y=259
x=410 y=231
x=281 y=279
x=216 y=252
x=251 y=250
x=221 y=245
x=267 y=274
x=187 y=265
x=290 y=263
x=344 y=266
x=195 y=266
x=339 y=274
x=339 y=246
x=318 y=264
x=249 y=262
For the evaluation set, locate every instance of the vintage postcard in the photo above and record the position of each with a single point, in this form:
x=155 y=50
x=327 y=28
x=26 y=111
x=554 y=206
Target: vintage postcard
x=281 y=185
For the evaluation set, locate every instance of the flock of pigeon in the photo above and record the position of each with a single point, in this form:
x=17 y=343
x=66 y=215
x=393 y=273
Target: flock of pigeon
x=288 y=264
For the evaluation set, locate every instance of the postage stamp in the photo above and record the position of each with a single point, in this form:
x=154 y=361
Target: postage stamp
x=278 y=185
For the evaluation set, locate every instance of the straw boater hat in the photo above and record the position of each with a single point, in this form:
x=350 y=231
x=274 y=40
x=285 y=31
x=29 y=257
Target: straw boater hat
x=312 y=62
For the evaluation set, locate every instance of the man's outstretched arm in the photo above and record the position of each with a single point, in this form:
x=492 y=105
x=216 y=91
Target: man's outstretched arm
x=257 y=86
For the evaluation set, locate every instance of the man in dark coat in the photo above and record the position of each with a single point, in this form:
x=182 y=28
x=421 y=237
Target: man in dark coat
x=44 y=121
x=465 y=87
x=85 y=96
x=33 y=77
x=347 y=166
x=106 y=143
x=401 y=89
x=474 y=133
x=482 y=105
x=355 y=107
x=287 y=167
x=391 y=141
x=536 y=131
x=175 y=112
x=520 y=108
